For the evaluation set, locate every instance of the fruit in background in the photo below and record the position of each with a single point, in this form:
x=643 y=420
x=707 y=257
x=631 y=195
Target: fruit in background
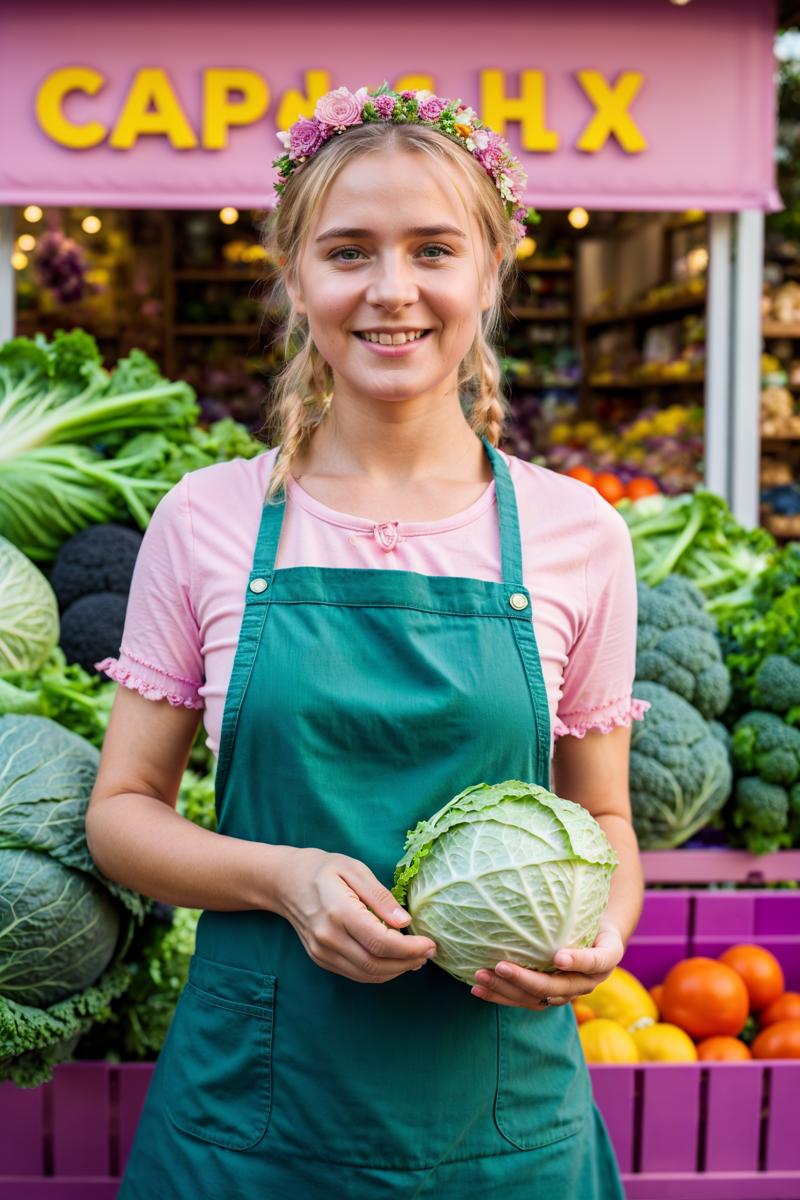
x=605 y=1041
x=705 y=997
x=610 y=486
x=723 y=1049
x=657 y=992
x=582 y=1012
x=785 y=1008
x=642 y=486
x=584 y=474
x=781 y=1040
x=664 y=1043
x=761 y=972
x=621 y=998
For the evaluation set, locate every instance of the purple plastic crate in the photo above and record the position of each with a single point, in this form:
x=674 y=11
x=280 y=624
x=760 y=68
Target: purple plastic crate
x=693 y=1131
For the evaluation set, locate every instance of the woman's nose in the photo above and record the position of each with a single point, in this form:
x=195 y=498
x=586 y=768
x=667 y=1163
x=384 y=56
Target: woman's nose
x=392 y=282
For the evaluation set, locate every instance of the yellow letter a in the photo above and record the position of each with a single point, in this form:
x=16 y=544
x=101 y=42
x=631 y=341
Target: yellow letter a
x=294 y=104
x=151 y=86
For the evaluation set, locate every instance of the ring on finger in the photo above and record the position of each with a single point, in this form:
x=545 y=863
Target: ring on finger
x=545 y=1001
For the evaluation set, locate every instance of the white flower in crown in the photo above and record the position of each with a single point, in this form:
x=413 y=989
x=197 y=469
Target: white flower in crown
x=285 y=138
x=466 y=116
x=423 y=94
x=505 y=185
x=478 y=140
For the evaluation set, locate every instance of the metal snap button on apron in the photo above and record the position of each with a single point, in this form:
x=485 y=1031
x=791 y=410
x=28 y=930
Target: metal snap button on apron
x=258 y=585
x=518 y=600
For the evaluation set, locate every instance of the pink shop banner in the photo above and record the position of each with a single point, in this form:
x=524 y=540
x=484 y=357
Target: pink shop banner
x=628 y=104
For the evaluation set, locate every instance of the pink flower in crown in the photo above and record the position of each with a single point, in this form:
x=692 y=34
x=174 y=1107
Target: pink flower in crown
x=306 y=138
x=431 y=109
x=384 y=105
x=340 y=108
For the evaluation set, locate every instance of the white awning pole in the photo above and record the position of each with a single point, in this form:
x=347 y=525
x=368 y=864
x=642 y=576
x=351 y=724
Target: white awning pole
x=746 y=342
x=718 y=362
x=7 y=289
x=733 y=367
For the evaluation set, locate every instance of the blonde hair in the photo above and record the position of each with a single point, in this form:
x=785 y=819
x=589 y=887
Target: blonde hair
x=302 y=391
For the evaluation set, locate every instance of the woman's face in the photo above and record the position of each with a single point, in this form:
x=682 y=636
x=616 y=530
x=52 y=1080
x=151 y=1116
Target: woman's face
x=392 y=251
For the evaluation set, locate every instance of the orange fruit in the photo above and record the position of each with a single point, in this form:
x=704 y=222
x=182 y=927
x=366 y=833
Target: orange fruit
x=610 y=486
x=584 y=474
x=657 y=991
x=705 y=997
x=642 y=486
x=723 y=1049
x=785 y=1008
x=781 y=1040
x=760 y=970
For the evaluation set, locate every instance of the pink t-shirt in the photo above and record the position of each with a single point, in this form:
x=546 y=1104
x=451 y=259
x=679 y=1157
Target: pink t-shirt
x=187 y=594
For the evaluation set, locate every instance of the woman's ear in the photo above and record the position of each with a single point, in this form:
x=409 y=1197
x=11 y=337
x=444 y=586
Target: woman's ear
x=292 y=286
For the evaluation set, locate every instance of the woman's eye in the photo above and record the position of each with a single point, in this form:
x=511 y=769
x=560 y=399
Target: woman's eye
x=439 y=252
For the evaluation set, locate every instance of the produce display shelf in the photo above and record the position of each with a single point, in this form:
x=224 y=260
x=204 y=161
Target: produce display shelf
x=696 y=377
x=780 y=437
x=542 y=314
x=644 y=311
x=681 y=1131
x=217 y=330
x=776 y=329
x=720 y=865
x=554 y=264
x=528 y=381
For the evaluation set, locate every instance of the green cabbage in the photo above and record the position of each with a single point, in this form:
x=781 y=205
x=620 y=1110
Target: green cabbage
x=505 y=871
x=29 y=625
x=64 y=927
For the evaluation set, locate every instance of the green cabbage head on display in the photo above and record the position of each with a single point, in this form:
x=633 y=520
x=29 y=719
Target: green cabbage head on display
x=64 y=927
x=505 y=871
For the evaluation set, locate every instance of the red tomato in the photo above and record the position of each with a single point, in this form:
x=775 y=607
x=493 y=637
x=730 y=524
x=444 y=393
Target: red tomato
x=705 y=997
x=760 y=970
x=781 y=1040
x=610 y=486
x=785 y=1008
x=642 y=486
x=723 y=1049
x=585 y=474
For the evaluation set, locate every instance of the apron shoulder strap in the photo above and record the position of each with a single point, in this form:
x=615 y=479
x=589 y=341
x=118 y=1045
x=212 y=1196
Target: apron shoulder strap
x=510 y=541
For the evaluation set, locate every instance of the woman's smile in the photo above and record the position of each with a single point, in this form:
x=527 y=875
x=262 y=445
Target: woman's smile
x=392 y=345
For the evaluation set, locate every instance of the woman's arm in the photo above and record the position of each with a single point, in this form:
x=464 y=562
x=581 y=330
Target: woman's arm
x=592 y=771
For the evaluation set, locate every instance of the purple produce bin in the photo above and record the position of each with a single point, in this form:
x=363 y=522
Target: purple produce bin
x=681 y=1131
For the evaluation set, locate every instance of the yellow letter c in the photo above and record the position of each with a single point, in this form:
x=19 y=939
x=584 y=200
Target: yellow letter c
x=49 y=113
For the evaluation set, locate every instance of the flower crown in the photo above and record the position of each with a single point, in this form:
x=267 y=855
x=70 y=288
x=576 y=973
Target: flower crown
x=339 y=110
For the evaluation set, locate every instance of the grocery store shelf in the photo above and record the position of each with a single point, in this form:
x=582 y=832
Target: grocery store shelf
x=777 y=329
x=554 y=265
x=720 y=865
x=223 y=274
x=218 y=330
x=528 y=381
x=542 y=314
x=643 y=312
x=640 y=384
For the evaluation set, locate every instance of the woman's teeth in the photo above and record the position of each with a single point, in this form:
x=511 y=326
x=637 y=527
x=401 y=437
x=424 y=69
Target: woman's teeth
x=393 y=339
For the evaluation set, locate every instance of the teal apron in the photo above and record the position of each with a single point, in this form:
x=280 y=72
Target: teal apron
x=360 y=702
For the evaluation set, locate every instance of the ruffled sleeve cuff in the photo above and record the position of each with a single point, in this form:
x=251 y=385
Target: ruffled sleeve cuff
x=603 y=718
x=151 y=682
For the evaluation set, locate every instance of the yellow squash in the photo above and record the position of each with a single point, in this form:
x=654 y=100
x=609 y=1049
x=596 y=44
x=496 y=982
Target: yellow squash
x=605 y=1041
x=664 y=1043
x=623 y=999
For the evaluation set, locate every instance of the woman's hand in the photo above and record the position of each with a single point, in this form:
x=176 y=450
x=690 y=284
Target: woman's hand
x=580 y=971
x=336 y=906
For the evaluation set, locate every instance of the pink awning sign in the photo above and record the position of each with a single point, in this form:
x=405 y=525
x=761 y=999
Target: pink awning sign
x=629 y=104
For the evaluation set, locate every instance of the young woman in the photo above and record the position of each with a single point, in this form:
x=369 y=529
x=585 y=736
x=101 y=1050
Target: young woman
x=377 y=613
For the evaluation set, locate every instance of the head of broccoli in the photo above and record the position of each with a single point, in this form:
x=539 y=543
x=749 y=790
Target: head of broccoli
x=677 y=645
x=764 y=745
x=680 y=771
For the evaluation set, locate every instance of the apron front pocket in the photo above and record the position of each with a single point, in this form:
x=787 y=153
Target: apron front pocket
x=543 y=1086
x=217 y=1073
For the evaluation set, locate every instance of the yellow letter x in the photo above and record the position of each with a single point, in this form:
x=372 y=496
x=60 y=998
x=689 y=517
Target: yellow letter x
x=611 y=115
